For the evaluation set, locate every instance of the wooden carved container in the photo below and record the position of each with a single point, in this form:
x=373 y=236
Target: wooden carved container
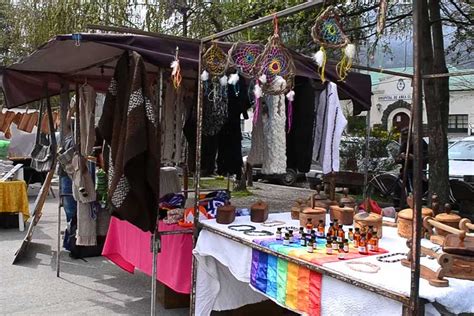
x=363 y=220
x=344 y=214
x=447 y=218
x=318 y=200
x=299 y=206
x=225 y=214
x=259 y=212
x=405 y=220
x=315 y=213
x=347 y=200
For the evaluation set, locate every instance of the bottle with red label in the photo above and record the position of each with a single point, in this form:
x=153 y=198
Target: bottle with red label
x=374 y=241
x=356 y=237
x=340 y=234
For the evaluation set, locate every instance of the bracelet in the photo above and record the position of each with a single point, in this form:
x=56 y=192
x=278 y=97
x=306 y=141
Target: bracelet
x=258 y=233
x=373 y=268
x=383 y=258
x=241 y=228
x=272 y=223
x=288 y=228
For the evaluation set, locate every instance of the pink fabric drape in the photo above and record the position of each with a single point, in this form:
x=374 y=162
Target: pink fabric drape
x=129 y=247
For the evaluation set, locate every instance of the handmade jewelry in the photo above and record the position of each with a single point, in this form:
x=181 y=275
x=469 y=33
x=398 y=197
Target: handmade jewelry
x=288 y=228
x=371 y=267
x=241 y=228
x=258 y=233
x=390 y=255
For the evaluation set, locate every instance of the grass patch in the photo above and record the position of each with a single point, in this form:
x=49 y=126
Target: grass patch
x=219 y=183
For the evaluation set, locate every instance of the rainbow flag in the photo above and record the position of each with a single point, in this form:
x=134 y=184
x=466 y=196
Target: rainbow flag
x=289 y=284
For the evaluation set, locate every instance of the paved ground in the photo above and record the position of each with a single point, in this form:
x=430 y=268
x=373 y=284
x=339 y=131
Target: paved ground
x=92 y=286
x=279 y=198
x=95 y=286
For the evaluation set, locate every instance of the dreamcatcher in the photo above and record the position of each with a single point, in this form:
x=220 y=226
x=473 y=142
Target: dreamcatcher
x=176 y=76
x=214 y=62
x=243 y=57
x=275 y=73
x=328 y=33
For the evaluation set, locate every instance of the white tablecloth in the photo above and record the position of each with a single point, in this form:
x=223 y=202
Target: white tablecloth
x=224 y=275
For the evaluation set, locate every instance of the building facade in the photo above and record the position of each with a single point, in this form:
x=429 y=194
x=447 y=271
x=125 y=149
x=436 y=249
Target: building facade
x=391 y=102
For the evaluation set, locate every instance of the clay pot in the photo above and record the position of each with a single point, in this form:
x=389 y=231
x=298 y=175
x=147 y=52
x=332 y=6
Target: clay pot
x=315 y=213
x=363 y=220
x=405 y=220
x=259 y=212
x=447 y=218
x=344 y=214
x=225 y=214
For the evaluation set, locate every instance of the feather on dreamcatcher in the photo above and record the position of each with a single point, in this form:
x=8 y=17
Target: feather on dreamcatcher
x=328 y=33
x=215 y=82
x=275 y=73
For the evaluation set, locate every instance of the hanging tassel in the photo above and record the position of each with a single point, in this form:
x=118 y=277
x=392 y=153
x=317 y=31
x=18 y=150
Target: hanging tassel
x=233 y=79
x=204 y=76
x=345 y=64
x=176 y=77
x=258 y=94
x=223 y=80
x=320 y=59
x=263 y=79
x=291 y=97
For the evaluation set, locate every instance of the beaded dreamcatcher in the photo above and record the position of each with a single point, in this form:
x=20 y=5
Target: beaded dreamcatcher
x=242 y=57
x=215 y=107
x=176 y=76
x=275 y=72
x=328 y=33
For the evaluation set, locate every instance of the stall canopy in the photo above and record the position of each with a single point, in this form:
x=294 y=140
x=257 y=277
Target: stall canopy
x=92 y=58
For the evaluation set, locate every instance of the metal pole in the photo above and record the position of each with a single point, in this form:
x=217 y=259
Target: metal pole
x=418 y=11
x=58 y=251
x=265 y=19
x=367 y=158
x=197 y=178
x=156 y=239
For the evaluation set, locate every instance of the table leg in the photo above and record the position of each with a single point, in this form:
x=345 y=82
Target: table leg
x=21 y=222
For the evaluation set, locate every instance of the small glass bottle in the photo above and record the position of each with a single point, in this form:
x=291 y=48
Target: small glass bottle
x=309 y=246
x=335 y=244
x=363 y=244
x=290 y=233
x=346 y=245
x=370 y=231
x=329 y=246
x=278 y=233
x=356 y=237
x=340 y=234
x=351 y=234
x=330 y=230
x=301 y=231
x=286 y=239
x=303 y=240
x=374 y=241
x=341 y=255
x=321 y=228
x=309 y=225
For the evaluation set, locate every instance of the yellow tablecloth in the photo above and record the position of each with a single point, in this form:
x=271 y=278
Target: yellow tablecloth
x=14 y=198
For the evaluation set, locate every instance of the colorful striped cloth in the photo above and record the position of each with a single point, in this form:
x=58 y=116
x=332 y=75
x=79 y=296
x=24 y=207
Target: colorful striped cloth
x=289 y=284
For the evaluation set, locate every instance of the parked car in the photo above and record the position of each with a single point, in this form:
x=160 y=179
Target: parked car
x=461 y=160
x=289 y=178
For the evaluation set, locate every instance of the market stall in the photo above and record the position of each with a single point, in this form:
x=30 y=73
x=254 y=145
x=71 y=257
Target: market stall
x=313 y=283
